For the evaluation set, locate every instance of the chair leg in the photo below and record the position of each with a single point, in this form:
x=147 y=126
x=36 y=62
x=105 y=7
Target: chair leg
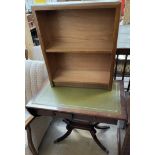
x=93 y=133
x=30 y=142
x=69 y=130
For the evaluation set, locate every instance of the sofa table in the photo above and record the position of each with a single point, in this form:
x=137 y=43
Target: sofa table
x=82 y=108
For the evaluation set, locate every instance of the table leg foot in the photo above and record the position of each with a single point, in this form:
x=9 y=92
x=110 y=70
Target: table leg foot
x=85 y=126
x=64 y=136
x=98 y=142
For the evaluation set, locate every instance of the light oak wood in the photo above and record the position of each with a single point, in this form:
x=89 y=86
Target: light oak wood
x=79 y=30
x=77 y=5
x=82 y=61
x=70 y=33
x=76 y=68
x=41 y=38
x=100 y=78
x=115 y=36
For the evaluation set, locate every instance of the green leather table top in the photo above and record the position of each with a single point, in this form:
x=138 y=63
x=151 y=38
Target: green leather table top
x=80 y=98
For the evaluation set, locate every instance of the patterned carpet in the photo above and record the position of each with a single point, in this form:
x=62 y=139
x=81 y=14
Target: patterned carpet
x=79 y=142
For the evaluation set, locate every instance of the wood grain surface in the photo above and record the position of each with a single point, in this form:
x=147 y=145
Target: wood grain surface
x=82 y=28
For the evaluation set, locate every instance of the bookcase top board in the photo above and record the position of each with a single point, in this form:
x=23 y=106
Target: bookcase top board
x=78 y=27
x=76 y=5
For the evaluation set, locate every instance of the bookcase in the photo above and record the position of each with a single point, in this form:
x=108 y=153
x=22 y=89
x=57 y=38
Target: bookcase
x=78 y=42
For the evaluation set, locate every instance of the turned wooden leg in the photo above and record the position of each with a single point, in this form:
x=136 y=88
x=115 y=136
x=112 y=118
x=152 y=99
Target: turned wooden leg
x=69 y=130
x=30 y=142
x=93 y=133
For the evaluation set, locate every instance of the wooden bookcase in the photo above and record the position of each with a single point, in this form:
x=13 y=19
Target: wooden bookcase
x=78 y=42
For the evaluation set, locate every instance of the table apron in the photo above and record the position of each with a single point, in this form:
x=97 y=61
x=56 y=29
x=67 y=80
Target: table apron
x=72 y=116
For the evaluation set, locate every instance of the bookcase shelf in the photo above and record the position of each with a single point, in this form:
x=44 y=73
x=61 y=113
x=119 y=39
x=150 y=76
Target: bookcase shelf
x=68 y=47
x=82 y=77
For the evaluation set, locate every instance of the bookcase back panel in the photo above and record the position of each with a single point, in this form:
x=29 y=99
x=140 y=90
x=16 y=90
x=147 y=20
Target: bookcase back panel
x=78 y=61
x=77 y=30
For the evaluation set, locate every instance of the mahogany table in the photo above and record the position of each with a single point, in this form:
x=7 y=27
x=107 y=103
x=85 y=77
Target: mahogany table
x=82 y=108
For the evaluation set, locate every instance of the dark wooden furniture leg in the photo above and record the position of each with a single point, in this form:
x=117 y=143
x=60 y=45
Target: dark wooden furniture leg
x=85 y=126
x=69 y=130
x=93 y=133
x=30 y=142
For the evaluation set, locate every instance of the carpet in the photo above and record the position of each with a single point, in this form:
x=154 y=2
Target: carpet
x=79 y=142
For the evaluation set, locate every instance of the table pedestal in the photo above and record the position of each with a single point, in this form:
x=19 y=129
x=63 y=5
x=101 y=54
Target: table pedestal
x=85 y=126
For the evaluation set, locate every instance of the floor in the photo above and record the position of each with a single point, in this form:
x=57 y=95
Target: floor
x=79 y=142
